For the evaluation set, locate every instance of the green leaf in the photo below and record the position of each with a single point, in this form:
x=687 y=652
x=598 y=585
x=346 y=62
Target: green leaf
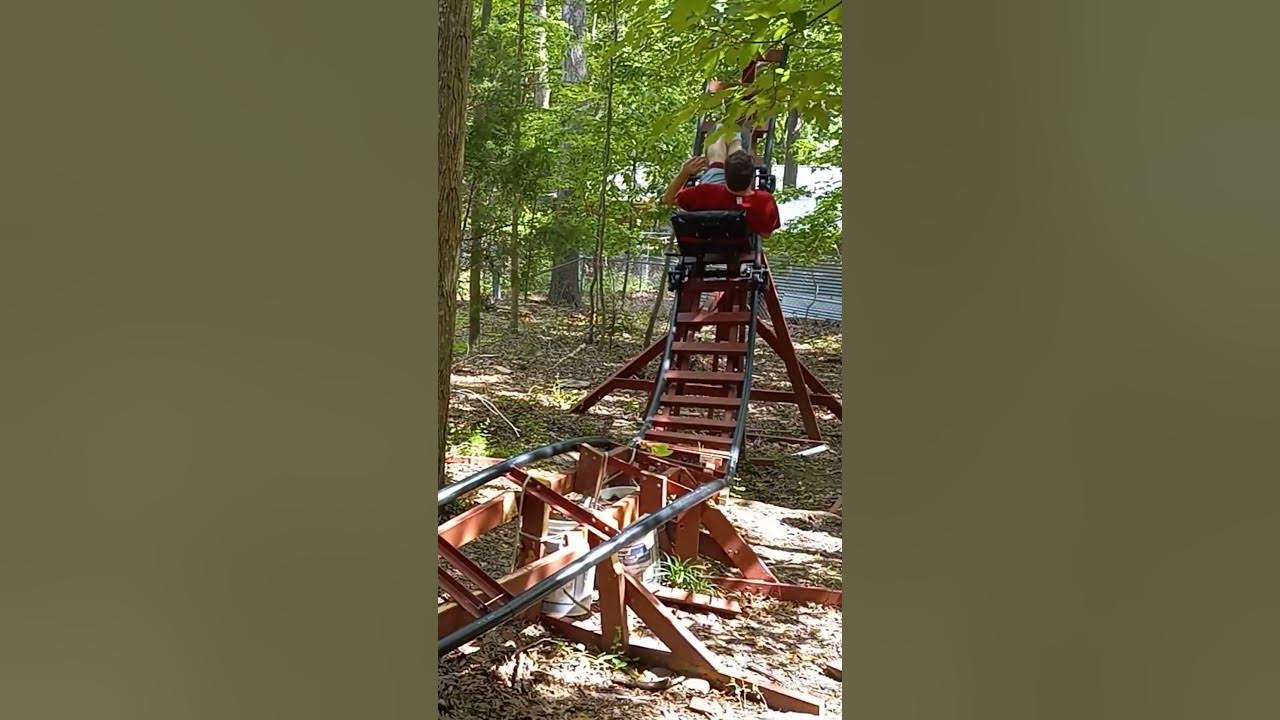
x=660 y=449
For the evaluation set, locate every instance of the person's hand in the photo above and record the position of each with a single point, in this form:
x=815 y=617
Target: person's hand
x=693 y=166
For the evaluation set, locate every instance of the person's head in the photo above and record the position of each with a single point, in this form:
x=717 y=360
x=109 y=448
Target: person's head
x=739 y=171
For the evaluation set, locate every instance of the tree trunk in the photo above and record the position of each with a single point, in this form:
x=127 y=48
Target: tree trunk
x=657 y=301
x=574 y=12
x=604 y=192
x=566 y=285
x=475 y=295
x=454 y=58
x=790 y=171
x=541 y=90
x=514 y=246
x=526 y=263
x=513 y=261
x=486 y=8
x=622 y=299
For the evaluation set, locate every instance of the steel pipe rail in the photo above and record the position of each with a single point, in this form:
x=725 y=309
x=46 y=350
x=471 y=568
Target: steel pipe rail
x=514 y=606
x=453 y=491
x=660 y=383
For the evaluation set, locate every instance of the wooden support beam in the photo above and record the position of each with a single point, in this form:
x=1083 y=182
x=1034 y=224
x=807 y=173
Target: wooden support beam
x=630 y=368
x=687 y=650
x=698 y=602
x=491 y=588
x=611 y=584
x=786 y=350
x=478 y=520
x=452 y=616
x=685 y=534
x=782 y=591
x=459 y=594
x=534 y=516
x=739 y=552
x=655 y=654
x=819 y=392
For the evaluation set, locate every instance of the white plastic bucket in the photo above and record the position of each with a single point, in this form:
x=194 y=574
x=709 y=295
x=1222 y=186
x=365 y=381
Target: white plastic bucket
x=638 y=557
x=561 y=601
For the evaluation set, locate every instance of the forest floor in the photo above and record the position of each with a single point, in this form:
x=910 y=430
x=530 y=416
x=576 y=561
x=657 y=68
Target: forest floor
x=514 y=392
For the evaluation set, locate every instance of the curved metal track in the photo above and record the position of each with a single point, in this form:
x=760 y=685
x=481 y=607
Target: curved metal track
x=519 y=603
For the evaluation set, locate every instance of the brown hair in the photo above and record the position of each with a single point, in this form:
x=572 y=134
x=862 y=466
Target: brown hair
x=738 y=171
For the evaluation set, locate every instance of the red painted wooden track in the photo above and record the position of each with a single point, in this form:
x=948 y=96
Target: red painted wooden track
x=721 y=304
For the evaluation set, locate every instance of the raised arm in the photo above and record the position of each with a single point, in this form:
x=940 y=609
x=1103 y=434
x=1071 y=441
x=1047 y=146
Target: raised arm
x=691 y=167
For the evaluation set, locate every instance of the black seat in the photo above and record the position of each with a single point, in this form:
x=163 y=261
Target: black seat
x=710 y=225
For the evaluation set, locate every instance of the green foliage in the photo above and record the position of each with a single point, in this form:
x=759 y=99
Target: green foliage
x=476 y=445
x=689 y=575
x=666 y=50
x=814 y=237
x=611 y=660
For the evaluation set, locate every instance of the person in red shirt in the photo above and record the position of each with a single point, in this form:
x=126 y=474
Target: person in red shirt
x=733 y=192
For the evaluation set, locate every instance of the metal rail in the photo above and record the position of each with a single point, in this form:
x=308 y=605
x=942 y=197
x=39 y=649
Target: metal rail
x=660 y=381
x=514 y=606
x=453 y=491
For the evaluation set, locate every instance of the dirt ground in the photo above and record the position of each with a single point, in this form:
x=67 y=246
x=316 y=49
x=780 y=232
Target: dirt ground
x=513 y=392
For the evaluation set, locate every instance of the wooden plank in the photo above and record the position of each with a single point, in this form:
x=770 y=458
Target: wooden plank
x=703 y=401
x=703 y=376
x=476 y=521
x=757 y=395
x=691 y=421
x=698 y=602
x=713 y=285
x=704 y=317
x=782 y=591
x=711 y=348
x=715 y=441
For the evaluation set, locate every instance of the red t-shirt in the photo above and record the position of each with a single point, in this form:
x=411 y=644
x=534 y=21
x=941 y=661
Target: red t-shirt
x=762 y=211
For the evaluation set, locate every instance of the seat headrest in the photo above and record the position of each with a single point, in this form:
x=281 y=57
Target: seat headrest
x=710 y=224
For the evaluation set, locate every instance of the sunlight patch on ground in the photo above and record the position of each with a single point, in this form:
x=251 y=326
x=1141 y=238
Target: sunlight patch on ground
x=474 y=381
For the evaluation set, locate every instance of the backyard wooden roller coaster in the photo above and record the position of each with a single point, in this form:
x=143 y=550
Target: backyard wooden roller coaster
x=681 y=462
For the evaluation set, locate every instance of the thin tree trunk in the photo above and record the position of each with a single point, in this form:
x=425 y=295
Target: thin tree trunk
x=486 y=8
x=790 y=171
x=513 y=261
x=495 y=276
x=622 y=299
x=475 y=299
x=541 y=90
x=454 y=59
x=657 y=301
x=514 y=246
x=574 y=13
x=604 y=184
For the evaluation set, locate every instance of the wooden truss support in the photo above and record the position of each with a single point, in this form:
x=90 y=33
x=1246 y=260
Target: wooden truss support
x=806 y=389
x=682 y=652
x=703 y=530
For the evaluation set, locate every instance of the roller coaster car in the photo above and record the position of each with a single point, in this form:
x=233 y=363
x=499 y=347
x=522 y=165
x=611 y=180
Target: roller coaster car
x=712 y=231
